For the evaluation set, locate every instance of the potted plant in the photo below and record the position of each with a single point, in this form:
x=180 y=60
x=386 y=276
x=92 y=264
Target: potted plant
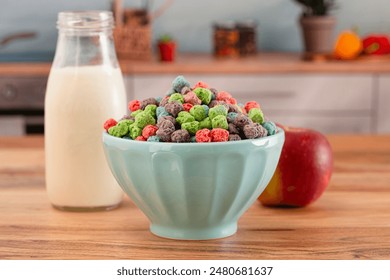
x=317 y=26
x=167 y=48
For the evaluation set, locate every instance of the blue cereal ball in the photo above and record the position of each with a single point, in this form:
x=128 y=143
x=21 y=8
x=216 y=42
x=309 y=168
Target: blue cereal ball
x=206 y=108
x=179 y=82
x=270 y=127
x=170 y=92
x=231 y=117
x=160 y=111
x=193 y=139
x=158 y=99
x=153 y=139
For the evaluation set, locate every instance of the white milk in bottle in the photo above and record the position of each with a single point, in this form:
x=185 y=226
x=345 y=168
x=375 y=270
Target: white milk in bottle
x=85 y=88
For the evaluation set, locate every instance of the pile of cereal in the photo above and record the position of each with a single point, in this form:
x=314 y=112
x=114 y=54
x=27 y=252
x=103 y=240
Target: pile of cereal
x=191 y=114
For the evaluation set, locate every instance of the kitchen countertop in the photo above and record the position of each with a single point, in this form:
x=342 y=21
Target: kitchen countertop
x=263 y=63
x=350 y=221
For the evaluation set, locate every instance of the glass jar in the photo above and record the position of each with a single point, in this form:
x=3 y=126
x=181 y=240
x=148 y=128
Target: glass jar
x=226 y=39
x=85 y=88
x=247 y=32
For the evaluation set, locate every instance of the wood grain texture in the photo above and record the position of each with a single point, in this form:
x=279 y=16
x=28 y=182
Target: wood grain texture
x=262 y=63
x=350 y=221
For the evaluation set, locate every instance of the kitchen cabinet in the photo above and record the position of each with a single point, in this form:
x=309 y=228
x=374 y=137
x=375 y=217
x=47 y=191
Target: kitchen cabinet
x=383 y=102
x=330 y=96
x=330 y=103
x=21 y=104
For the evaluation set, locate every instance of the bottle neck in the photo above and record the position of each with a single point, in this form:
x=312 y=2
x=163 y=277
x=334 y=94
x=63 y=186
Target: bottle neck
x=85 y=39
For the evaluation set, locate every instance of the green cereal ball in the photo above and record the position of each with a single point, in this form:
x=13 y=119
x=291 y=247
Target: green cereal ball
x=184 y=117
x=151 y=109
x=219 y=122
x=198 y=112
x=206 y=123
x=203 y=94
x=218 y=110
x=191 y=127
x=135 y=131
x=120 y=129
x=143 y=119
x=133 y=114
x=113 y=130
x=256 y=115
x=176 y=97
x=127 y=122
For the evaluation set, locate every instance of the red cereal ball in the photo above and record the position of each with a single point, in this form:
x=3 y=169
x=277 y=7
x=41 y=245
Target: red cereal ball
x=109 y=123
x=149 y=130
x=140 y=138
x=231 y=101
x=187 y=106
x=223 y=96
x=219 y=135
x=251 y=104
x=201 y=85
x=203 y=135
x=134 y=105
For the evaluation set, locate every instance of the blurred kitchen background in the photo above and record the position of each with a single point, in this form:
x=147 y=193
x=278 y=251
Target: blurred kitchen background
x=349 y=96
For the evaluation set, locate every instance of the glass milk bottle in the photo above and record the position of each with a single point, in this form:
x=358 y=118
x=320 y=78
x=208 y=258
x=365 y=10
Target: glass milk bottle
x=85 y=88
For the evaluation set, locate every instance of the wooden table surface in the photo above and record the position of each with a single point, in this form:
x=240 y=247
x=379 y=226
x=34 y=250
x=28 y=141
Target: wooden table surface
x=350 y=221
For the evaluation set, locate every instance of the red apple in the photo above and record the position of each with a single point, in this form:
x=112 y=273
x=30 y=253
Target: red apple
x=304 y=169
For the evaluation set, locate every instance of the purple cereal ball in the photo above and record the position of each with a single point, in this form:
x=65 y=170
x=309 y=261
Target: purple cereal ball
x=174 y=108
x=148 y=101
x=163 y=118
x=165 y=130
x=164 y=137
x=164 y=101
x=185 y=90
x=261 y=131
x=250 y=131
x=127 y=117
x=213 y=103
x=233 y=108
x=234 y=137
x=180 y=136
x=167 y=126
x=241 y=120
x=233 y=129
x=213 y=91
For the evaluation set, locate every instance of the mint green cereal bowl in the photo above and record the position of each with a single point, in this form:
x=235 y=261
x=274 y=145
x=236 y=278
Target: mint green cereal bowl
x=193 y=191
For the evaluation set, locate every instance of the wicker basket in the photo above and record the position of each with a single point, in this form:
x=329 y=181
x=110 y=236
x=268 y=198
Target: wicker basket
x=132 y=33
x=133 y=42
